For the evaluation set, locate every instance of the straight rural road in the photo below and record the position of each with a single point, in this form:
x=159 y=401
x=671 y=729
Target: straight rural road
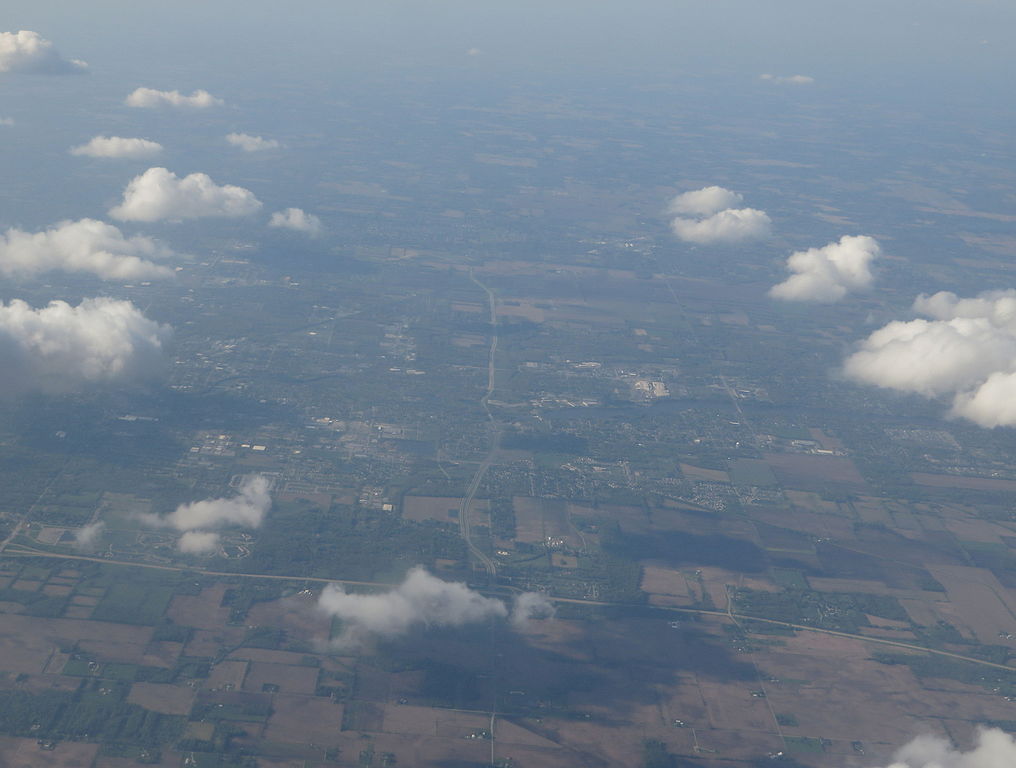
x=20 y=550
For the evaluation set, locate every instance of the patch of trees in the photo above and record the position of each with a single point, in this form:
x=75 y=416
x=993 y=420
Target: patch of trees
x=84 y=716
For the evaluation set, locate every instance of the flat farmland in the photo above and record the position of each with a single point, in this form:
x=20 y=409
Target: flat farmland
x=287 y=678
x=542 y=757
x=821 y=699
x=209 y=642
x=411 y=719
x=322 y=500
x=305 y=720
x=782 y=539
x=574 y=691
x=806 y=522
x=443 y=509
x=972 y=529
x=736 y=745
x=460 y=725
x=979 y=599
x=161 y=697
x=968 y=483
x=619 y=679
x=703 y=474
x=559 y=560
x=202 y=611
x=731 y=706
x=26 y=753
x=809 y=472
x=630 y=519
x=517 y=733
x=538 y=520
x=865 y=586
x=26 y=642
x=26 y=585
x=434 y=750
x=600 y=743
x=524 y=309
x=296 y=614
x=469 y=340
x=270 y=655
x=226 y=673
x=573 y=271
x=872 y=510
x=815 y=503
x=826 y=441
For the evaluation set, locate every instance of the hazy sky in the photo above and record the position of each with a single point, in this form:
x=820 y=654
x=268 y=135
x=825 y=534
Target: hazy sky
x=896 y=41
x=385 y=74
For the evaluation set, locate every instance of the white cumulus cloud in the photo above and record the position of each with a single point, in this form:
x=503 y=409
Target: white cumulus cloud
x=87 y=536
x=249 y=143
x=149 y=98
x=28 y=52
x=530 y=606
x=963 y=348
x=62 y=348
x=788 y=79
x=421 y=600
x=198 y=542
x=117 y=146
x=718 y=221
x=829 y=273
x=160 y=194
x=86 y=245
x=246 y=509
x=993 y=404
x=705 y=201
x=297 y=219
x=994 y=749
x=733 y=225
